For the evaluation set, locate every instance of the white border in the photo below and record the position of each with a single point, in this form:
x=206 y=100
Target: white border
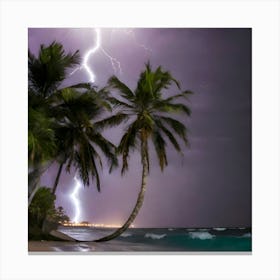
x=262 y=16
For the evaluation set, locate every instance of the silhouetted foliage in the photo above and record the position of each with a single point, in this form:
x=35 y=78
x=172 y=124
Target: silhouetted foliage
x=43 y=206
x=47 y=71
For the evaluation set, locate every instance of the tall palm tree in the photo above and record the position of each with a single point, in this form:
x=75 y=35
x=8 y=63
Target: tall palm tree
x=45 y=75
x=78 y=138
x=67 y=134
x=149 y=114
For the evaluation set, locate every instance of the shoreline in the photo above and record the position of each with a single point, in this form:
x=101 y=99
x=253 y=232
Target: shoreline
x=68 y=247
x=143 y=240
x=88 y=246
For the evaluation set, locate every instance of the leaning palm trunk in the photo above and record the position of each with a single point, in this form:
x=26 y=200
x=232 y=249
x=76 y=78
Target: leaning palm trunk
x=57 y=178
x=34 y=180
x=35 y=187
x=138 y=204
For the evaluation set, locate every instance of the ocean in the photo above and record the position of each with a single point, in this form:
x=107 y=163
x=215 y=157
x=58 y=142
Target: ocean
x=168 y=239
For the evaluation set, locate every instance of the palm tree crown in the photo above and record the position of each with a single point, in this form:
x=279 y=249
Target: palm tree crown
x=149 y=113
x=47 y=71
x=78 y=138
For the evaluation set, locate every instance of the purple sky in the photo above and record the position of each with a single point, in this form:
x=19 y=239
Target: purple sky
x=211 y=185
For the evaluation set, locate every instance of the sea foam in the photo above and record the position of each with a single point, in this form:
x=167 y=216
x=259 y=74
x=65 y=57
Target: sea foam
x=154 y=236
x=201 y=235
x=219 y=229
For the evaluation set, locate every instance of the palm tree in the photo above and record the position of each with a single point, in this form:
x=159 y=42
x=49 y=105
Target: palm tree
x=62 y=119
x=45 y=75
x=47 y=71
x=149 y=113
x=78 y=138
x=41 y=141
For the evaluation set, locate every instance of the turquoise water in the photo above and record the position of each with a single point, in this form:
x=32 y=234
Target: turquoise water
x=172 y=239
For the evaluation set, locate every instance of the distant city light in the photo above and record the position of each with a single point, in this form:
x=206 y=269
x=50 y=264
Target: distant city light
x=86 y=224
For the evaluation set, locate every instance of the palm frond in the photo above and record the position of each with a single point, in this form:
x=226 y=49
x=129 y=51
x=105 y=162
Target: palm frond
x=124 y=90
x=128 y=142
x=159 y=145
x=85 y=86
x=184 y=94
x=177 y=127
x=119 y=104
x=49 y=69
x=169 y=135
x=111 y=121
x=165 y=107
x=41 y=136
x=95 y=174
x=106 y=147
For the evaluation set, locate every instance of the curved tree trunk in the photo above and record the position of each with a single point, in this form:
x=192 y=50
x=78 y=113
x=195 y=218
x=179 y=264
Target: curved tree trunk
x=139 y=201
x=35 y=188
x=34 y=180
x=57 y=178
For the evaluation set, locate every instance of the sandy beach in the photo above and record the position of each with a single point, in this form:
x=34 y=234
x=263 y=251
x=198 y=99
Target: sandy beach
x=69 y=246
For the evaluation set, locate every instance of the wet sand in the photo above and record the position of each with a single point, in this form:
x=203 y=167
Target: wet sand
x=69 y=246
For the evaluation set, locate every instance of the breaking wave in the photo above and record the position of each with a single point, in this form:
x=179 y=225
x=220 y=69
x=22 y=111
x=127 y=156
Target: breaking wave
x=155 y=236
x=201 y=235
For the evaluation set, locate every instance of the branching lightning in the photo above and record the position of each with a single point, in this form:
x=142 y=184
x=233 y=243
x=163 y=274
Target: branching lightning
x=76 y=200
x=131 y=33
x=116 y=65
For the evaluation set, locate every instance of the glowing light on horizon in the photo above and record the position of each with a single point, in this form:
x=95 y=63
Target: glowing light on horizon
x=76 y=200
x=97 y=225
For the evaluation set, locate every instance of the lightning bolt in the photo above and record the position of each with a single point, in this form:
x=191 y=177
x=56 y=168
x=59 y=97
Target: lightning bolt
x=75 y=199
x=131 y=33
x=89 y=53
x=116 y=66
